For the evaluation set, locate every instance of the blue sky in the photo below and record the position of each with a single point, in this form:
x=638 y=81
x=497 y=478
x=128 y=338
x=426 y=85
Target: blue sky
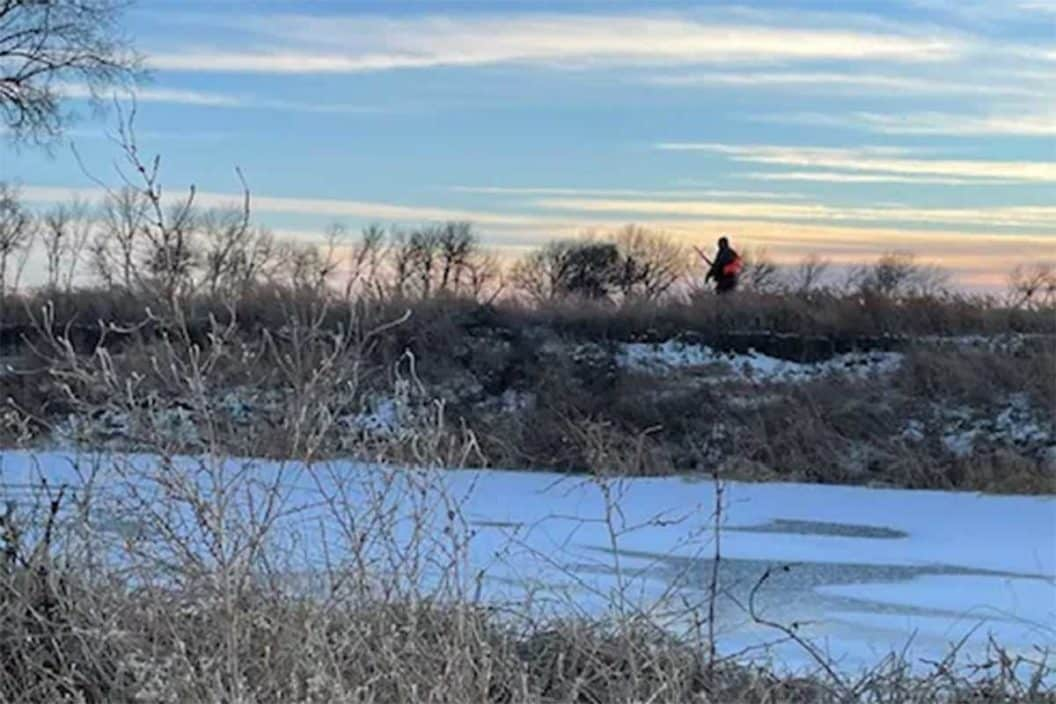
x=845 y=129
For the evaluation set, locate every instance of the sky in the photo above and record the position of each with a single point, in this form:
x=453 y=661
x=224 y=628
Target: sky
x=844 y=129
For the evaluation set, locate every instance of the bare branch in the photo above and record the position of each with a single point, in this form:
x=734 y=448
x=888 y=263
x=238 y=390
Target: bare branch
x=47 y=46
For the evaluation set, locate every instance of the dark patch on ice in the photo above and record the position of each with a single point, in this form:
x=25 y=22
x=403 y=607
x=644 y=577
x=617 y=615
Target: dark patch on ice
x=791 y=590
x=843 y=530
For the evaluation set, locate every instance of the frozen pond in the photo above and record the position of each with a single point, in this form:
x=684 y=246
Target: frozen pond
x=863 y=571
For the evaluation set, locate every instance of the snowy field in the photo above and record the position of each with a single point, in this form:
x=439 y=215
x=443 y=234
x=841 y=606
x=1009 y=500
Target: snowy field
x=870 y=571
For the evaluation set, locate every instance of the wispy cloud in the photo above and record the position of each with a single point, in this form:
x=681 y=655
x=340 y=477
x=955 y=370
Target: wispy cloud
x=341 y=44
x=1043 y=6
x=987 y=12
x=176 y=96
x=1028 y=121
x=846 y=82
x=873 y=160
x=160 y=95
x=324 y=207
x=620 y=192
x=840 y=177
x=1007 y=216
x=1025 y=124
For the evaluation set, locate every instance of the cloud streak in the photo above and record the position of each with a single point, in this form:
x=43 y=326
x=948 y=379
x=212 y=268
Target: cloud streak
x=160 y=95
x=618 y=192
x=340 y=44
x=1027 y=122
x=176 y=96
x=876 y=161
x=839 y=177
x=325 y=207
x=933 y=123
x=1008 y=216
x=846 y=83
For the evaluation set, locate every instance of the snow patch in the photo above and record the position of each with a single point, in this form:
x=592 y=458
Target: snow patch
x=664 y=357
x=115 y=429
x=914 y=431
x=383 y=417
x=1007 y=343
x=960 y=445
x=1018 y=425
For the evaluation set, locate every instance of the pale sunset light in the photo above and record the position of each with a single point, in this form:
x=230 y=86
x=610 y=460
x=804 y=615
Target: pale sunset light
x=912 y=125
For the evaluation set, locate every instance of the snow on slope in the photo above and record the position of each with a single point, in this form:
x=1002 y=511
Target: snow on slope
x=663 y=357
x=870 y=569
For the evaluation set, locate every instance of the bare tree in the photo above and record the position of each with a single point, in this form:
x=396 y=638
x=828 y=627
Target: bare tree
x=457 y=243
x=760 y=273
x=570 y=268
x=415 y=257
x=1033 y=286
x=401 y=256
x=809 y=274
x=234 y=255
x=65 y=230
x=898 y=274
x=539 y=274
x=484 y=278
x=17 y=230
x=424 y=244
x=172 y=252
x=364 y=261
x=890 y=275
x=435 y=259
x=306 y=266
x=49 y=46
x=115 y=249
x=652 y=262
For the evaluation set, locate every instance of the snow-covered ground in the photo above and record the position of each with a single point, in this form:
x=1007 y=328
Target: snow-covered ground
x=870 y=570
x=664 y=357
x=1018 y=423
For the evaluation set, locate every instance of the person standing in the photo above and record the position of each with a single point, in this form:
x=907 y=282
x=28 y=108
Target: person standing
x=725 y=268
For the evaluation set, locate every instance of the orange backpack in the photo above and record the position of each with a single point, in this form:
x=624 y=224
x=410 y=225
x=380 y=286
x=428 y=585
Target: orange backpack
x=734 y=267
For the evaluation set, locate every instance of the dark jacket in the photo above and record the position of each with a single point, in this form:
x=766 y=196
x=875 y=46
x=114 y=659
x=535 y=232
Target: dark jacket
x=723 y=281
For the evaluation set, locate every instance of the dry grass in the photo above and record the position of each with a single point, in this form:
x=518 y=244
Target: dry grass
x=281 y=348
x=270 y=305
x=837 y=430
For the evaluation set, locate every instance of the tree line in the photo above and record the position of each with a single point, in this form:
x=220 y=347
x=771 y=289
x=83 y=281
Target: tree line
x=133 y=242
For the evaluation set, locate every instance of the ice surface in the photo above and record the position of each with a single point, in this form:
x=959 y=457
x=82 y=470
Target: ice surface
x=870 y=569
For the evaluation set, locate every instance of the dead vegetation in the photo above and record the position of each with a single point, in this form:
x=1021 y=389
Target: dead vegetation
x=358 y=337
x=182 y=574
x=523 y=384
